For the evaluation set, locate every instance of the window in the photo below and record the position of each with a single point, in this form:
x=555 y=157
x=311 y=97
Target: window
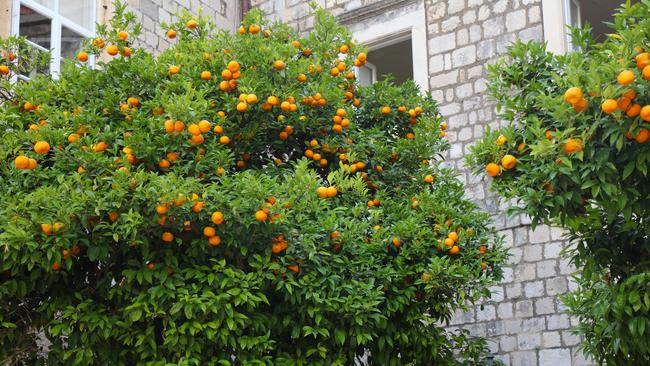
x=395 y=59
x=595 y=12
x=56 y=25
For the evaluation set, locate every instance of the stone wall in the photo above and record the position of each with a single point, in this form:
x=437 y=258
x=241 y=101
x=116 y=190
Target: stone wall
x=225 y=14
x=524 y=321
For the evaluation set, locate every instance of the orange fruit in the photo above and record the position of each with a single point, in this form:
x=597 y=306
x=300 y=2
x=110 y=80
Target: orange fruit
x=508 y=162
x=167 y=237
x=179 y=126
x=174 y=69
x=609 y=106
x=112 y=50
x=573 y=95
x=242 y=107
x=56 y=266
x=206 y=75
x=161 y=209
x=633 y=111
x=454 y=250
x=337 y=128
x=214 y=240
x=100 y=146
x=453 y=236
x=624 y=103
x=294 y=268
x=46 y=229
x=113 y=216
x=344 y=48
x=209 y=231
x=171 y=34
x=646 y=73
x=331 y=191
x=164 y=163
x=191 y=24
x=82 y=56
x=278 y=65
x=334 y=71
x=385 y=110
x=225 y=140
x=301 y=78
x=254 y=29
x=643 y=136
x=21 y=162
x=449 y=242
x=322 y=192
x=198 y=206
x=396 y=242
x=260 y=215
x=4 y=70
x=32 y=164
x=645 y=113
x=122 y=35
x=572 y=146
x=428 y=179
x=233 y=66
x=251 y=99
x=217 y=218
x=492 y=169
x=42 y=147
x=204 y=126
x=626 y=77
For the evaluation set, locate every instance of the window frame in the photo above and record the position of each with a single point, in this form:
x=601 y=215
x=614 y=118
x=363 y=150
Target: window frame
x=409 y=25
x=567 y=20
x=57 y=22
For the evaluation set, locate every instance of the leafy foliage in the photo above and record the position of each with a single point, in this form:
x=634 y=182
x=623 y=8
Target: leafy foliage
x=175 y=217
x=578 y=132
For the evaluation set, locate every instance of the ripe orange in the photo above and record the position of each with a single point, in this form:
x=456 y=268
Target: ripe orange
x=337 y=128
x=278 y=65
x=581 y=105
x=633 y=111
x=151 y=266
x=42 y=147
x=646 y=73
x=573 y=95
x=100 y=146
x=32 y=164
x=626 y=77
x=344 y=48
x=645 y=113
x=233 y=66
x=254 y=29
x=206 y=75
x=331 y=191
x=385 y=110
x=260 y=215
x=501 y=140
x=164 y=163
x=214 y=240
x=609 y=106
x=167 y=237
x=242 y=107
x=225 y=140
x=454 y=250
x=301 y=78
x=21 y=162
x=508 y=162
x=453 y=236
x=198 y=206
x=56 y=266
x=322 y=192
x=428 y=179
x=217 y=218
x=4 y=70
x=643 y=136
x=572 y=146
x=449 y=242
x=334 y=71
x=396 y=242
x=112 y=50
x=171 y=34
x=82 y=56
x=191 y=24
x=294 y=268
x=492 y=169
x=251 y=99
x=209 y=231
x=179 y=126
x=174 y=69
x=113 y=216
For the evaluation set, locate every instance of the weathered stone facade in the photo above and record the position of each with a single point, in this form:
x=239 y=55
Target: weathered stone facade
x=524 y=321
x=225 y=14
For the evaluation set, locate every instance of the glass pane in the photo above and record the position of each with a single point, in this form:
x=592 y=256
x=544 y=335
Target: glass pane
x=36 y=27
x=79 y=11
x=70 y=43
x=27 y=63
x=364 y=76
x=46 y=3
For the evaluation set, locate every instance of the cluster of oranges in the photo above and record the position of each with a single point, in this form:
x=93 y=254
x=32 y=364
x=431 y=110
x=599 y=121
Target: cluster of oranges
x=279 y=244
x=451 y=243
x=121 y=47
x=326 y=192
x=7 y=57
x=508 y=162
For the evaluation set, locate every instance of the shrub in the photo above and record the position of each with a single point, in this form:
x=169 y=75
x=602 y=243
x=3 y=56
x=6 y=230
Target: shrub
x=238 y=199
x=577 y=145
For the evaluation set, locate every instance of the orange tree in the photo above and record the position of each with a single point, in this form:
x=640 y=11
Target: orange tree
x=238 y=199
x=576 y=155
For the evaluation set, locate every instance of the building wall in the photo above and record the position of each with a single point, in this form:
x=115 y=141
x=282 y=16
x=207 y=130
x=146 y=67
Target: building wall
x=525 y=322
x=225 y=14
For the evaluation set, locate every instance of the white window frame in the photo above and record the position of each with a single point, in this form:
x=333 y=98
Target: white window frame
x=58 y=21
x=373 y=72
x=556 y=15
x=409 y=25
